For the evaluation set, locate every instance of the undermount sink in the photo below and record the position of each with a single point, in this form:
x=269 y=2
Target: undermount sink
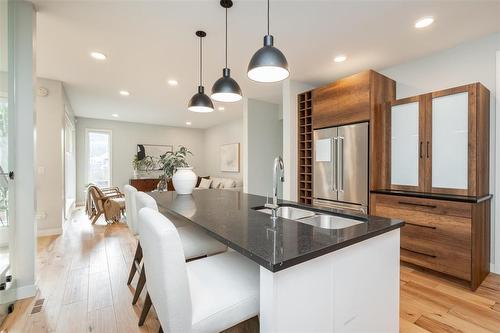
x=330 y=221
x=290 y=213
x=310 y=217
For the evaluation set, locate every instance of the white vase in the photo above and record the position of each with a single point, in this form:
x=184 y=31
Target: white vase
x=184 y=180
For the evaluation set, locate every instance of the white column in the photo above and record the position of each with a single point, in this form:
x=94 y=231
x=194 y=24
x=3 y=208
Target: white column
x=22 y=24
x=244 y=145
x=354 y=289
x=495 y=174
x=290 y=91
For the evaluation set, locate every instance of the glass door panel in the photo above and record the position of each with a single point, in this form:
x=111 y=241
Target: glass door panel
x=450 y=140
x=405 y=159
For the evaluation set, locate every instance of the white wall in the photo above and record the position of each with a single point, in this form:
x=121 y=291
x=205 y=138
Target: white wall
x=466 y=63
x=22 y=146
x=125 y=137
x=289 y=115
x=50 y=158
x=264 y=142
x=214 y=137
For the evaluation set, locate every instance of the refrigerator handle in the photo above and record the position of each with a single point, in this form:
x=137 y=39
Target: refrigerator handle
x=340 y=163
x=333 y=175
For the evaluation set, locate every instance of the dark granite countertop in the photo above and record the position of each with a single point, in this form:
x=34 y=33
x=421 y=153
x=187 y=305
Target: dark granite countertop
x=437 y=196
x=229 y=217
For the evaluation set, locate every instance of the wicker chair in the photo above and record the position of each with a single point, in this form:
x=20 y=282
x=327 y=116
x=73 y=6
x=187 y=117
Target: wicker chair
x=108 y=201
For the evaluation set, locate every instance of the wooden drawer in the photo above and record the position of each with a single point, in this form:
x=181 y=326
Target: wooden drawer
x=437 y=234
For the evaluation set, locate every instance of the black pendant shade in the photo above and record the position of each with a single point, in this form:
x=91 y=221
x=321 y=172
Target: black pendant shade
x=226 y=89
x=268 y=64
x=200 y=102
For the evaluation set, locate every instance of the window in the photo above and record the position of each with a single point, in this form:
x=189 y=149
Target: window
x=98 y=151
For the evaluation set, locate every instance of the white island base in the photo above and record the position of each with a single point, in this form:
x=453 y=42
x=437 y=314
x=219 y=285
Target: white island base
x=354 y=289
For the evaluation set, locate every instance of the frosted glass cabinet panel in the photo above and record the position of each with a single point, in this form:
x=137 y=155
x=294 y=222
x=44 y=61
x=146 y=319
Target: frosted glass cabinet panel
x=450 y=139
x=405 y=144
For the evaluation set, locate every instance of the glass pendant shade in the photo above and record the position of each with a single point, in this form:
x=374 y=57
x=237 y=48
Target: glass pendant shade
x=226 y=89
x=200 y=102
x=268 y=64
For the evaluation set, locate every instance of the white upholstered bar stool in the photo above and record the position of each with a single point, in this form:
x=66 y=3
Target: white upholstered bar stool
x=195 y=242
x=130 y=210
x=207 y=295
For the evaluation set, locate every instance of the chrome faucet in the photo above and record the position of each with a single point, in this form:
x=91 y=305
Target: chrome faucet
x=278 y=163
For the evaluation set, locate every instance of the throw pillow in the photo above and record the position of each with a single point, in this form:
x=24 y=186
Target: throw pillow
x=205 y=183
x=216 y=183
x=229 y=183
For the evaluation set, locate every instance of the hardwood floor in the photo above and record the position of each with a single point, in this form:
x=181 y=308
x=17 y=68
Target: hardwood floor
x=82 y=288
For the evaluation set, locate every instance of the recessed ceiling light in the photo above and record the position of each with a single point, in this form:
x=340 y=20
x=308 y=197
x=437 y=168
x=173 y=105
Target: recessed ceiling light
x=124 y=93
x=424 y=22
x=172 y=82
x=98 y=55
x=188 y=123
x=340 y=58
x=115 y=115
x=220 y=108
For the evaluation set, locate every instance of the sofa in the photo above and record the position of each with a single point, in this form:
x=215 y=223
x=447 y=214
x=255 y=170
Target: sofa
x=208 y=182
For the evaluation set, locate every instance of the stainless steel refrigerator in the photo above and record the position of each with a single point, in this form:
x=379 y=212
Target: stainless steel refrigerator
x=341 y=167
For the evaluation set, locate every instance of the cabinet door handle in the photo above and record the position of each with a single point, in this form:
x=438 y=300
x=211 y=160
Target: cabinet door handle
x=427 y=149
x=417 y=252
x=420 y=150
x=416 y=204
x=421 y=225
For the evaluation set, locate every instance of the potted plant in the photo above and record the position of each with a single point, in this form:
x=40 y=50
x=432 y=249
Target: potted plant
x=176 y=167
x=146 y=164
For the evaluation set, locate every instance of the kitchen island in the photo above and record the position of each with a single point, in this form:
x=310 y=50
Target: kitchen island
x=314 y=276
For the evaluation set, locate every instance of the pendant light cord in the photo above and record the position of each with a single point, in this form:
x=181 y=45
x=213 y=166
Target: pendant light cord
x=268 y=17
x=226 y=37
x=201 y=64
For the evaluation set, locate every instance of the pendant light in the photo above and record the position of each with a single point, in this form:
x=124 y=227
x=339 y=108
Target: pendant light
x=226 y=89
x=268 y=64
x=200 y=102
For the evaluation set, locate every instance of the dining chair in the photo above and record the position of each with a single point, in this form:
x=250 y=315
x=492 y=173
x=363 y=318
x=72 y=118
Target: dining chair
x=196 y=244
x=206 y=295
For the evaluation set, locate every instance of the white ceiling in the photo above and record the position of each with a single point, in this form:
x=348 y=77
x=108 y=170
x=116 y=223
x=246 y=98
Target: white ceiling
x=148 y=42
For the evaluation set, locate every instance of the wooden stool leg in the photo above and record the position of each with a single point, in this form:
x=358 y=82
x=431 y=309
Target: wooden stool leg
x=161 y=330
x=140 y=285
x=145 y=310
x=135 y=263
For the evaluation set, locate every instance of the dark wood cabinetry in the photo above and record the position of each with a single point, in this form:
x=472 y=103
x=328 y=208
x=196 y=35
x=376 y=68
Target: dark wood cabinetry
x=450 y=237
x=305 y=143
x=439 y=141
x=351 y=99
x=434 y=174
x=144 y=184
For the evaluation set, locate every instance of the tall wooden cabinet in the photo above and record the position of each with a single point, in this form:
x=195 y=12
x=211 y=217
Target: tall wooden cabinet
x=434 y=174
x=349 y=100
x=438 y=142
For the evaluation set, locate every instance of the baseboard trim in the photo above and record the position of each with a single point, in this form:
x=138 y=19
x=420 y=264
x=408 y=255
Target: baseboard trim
x=49 y=232
x=492 y=268
x=26 y=291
